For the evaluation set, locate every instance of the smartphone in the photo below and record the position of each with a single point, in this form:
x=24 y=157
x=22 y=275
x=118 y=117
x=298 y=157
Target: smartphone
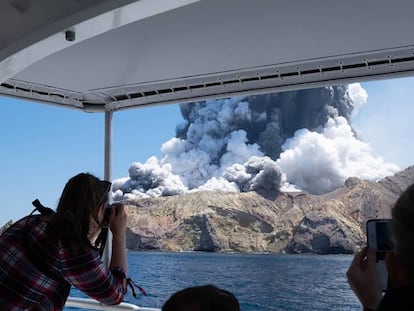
x=379 y=238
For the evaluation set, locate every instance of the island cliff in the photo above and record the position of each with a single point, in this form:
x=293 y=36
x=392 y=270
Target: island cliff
x=293 y=222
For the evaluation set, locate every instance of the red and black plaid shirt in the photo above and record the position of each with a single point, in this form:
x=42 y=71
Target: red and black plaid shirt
x=44 y=283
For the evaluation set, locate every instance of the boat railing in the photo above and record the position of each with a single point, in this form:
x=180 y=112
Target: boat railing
x=87 y=303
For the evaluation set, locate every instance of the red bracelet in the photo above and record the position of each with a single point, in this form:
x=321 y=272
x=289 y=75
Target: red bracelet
x=119 y=272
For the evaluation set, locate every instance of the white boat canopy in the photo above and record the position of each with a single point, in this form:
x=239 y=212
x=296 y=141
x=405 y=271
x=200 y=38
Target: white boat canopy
x=105 y=55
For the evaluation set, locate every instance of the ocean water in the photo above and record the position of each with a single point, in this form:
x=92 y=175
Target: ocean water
x=261 y=282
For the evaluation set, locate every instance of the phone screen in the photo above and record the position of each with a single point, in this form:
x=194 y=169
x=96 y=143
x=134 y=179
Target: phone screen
x=383 y=238
x=379 y=238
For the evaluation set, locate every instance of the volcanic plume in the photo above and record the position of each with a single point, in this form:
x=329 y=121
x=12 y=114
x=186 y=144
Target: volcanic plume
x=295 y=140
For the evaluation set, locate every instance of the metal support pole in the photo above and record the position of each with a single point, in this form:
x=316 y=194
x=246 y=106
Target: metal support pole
x=108 y=146
x=106 y=256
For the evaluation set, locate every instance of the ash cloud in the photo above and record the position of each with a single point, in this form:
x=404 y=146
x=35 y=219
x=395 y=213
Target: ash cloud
x=296 y=140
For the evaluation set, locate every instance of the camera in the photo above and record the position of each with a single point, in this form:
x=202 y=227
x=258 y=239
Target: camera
x=379 y=238
x=70 y=35
x=107 y=212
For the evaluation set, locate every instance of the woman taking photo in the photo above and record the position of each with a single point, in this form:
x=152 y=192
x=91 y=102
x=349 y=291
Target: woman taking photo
x=42 y=256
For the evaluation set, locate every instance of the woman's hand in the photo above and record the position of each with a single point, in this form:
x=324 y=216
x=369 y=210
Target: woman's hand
x=364 y=280
x=118 y=220
x=117 y=225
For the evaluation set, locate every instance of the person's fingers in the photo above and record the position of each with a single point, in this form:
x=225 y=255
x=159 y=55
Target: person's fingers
x=371 y=253
x=121 y=213
x=371 y=258
x=119 y=219
x=357 y=265
x=112 y=216
x=121 y=207
x=117 y=210
x=359 y=257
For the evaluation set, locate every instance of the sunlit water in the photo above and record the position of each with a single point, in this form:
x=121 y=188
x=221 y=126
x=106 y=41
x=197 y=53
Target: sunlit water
x=260 y=282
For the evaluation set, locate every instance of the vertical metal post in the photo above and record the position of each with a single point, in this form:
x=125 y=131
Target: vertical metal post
x=106 y=256
x=108 y=146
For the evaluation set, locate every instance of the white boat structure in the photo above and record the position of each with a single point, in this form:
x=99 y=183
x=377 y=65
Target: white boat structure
x=86 y=303
x=108 y=55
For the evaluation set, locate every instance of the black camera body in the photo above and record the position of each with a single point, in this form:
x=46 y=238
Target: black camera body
x=107 y=213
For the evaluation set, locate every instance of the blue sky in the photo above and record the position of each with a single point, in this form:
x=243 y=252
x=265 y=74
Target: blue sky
x=42 y=146
x=386 y=121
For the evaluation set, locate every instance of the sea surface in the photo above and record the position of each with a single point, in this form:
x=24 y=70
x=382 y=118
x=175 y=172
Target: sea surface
x=261 y=282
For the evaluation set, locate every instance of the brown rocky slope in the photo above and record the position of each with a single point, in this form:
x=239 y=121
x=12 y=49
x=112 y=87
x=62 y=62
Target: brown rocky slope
x=247 y=222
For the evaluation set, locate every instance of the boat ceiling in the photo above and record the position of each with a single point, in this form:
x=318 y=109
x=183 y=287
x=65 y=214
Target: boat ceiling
x=101 y=55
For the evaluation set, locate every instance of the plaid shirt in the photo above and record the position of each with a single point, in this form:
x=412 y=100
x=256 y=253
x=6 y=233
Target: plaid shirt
x=27 y=285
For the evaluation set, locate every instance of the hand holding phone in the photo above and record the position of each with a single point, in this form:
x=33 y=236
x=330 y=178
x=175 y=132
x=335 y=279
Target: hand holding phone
x=379 y=238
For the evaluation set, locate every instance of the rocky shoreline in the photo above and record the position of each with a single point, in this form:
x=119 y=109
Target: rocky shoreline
x=293 y=222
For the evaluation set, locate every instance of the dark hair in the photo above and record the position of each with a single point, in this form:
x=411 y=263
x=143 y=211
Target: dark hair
x=402 y=227
x=202 y=298
x=80 y=199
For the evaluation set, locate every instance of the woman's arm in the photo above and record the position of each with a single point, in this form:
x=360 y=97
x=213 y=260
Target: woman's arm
x=85 y=270
x=118 y=222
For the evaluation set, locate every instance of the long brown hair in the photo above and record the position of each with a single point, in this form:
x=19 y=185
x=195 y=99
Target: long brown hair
x=81 y=198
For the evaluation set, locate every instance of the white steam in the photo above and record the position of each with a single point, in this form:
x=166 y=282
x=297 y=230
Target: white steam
x=292 y=140
x=320 y=162
x=358 y=96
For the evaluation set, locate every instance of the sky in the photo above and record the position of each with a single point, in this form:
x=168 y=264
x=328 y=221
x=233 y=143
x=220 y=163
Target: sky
x=42 y=146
